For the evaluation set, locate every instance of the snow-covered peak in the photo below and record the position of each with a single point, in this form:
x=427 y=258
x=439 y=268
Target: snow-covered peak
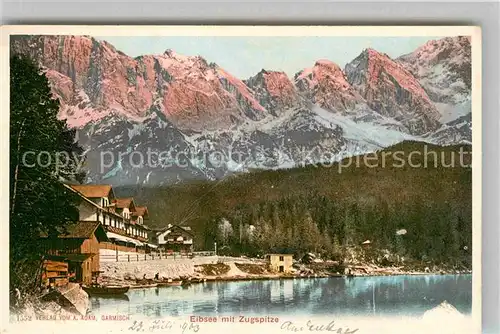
x=454 y=50
x=443 y=68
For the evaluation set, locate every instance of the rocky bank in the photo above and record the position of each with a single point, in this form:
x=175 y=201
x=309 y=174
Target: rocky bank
x=233 y=268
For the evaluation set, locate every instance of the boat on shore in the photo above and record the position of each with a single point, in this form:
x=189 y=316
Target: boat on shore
x=173 y=283
x=197 y=280
x=143 y=286
x=100 y=290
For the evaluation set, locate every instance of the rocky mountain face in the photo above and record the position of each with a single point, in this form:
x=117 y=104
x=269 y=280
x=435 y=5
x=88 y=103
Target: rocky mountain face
x=326 y=85
x=443 y=68
x=392 y=91
x=274 y=91
x=93 y=80
x=158 y=119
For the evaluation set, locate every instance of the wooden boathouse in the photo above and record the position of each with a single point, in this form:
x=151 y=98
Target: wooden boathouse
x=78 y=246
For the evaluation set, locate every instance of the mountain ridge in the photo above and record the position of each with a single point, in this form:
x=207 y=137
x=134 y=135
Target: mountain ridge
x=119 y=103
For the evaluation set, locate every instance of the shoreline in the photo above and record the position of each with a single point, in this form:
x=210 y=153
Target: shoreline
x=263 y=278
x=217 y=268
x=289 y=277
x=137 y=275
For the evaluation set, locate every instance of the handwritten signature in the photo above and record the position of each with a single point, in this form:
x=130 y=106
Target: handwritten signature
x=164 y=325
x=312 y=327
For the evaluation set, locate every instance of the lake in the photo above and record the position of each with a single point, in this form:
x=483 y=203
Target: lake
x=359 y=296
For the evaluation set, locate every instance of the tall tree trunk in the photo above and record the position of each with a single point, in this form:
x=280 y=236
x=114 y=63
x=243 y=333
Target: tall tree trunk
x=241 y=230
x=16 y=173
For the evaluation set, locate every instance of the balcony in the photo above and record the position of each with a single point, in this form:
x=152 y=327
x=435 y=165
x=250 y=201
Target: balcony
x=124 y=233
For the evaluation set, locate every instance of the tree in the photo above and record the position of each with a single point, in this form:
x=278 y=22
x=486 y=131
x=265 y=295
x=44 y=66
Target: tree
x=225 y=230
x=43 y=152
x=350 y=226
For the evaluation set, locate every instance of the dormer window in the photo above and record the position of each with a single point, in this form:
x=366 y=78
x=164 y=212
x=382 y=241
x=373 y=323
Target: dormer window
x=139 y=220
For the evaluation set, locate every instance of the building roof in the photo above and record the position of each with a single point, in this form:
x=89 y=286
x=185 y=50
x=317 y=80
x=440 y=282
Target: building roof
x=83 y=230
x=108 y=209
x=169 y=229
x=122 y=203
x=141 y=211
x=278 y=254
x=93 y=190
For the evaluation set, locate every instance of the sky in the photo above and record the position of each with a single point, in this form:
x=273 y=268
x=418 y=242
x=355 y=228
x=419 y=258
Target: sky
x=246 y=56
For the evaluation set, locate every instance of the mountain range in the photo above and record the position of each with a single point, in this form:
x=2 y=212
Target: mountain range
x=162 y=119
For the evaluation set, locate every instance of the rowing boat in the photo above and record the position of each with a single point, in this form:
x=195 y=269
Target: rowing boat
x=105 y=290
x=173 y=283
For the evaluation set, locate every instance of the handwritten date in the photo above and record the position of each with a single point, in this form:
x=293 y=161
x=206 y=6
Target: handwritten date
x=164 y=325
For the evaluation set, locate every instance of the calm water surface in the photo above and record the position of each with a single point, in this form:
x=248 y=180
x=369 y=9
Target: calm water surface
x=389 y=295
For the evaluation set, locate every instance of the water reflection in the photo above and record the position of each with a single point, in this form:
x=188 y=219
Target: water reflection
x=396 y=295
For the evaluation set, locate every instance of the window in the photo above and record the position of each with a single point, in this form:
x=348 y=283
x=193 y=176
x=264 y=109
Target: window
x=282 y=258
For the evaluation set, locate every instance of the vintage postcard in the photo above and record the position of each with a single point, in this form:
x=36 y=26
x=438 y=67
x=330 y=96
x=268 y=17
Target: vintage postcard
x=204 y=179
